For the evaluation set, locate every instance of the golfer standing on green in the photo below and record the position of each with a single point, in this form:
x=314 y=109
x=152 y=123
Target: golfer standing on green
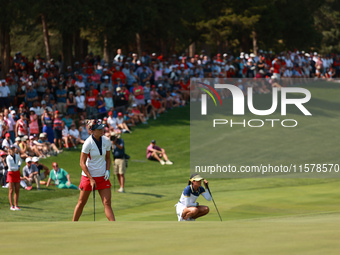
x=187 y=209
x=95 y=161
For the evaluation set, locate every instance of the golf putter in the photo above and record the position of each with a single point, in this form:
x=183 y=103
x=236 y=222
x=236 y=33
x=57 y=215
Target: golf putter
x=214 y=202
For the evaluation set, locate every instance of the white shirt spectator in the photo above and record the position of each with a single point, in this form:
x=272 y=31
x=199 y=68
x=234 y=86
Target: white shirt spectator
x=10 y=122
x=74 y=133
x=80 y=102
x=6 y=143
x=4 y=91
x=64 y=132
x=112 y=122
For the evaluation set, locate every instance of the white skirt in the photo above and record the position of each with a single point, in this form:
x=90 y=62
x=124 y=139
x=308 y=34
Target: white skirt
x=179 y=210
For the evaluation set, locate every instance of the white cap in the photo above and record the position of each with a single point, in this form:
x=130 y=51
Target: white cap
x=28 y=160
x=13 y=112
x=17 y=139
x=35 y=159
x=134 y=105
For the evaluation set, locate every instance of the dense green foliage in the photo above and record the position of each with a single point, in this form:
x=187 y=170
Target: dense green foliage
x=171 y=26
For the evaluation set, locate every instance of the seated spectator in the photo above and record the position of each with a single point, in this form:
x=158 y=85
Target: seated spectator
x=150 y=110
x=7 y=142
x=138 y=116
x=121 y=123
x=75 y=136
x=34 y=147
x=154 y=152
x=43 y=175
x=48 y=148
x=67 y=139
x=129 y=117
x=17 y=144
x=84 y=134
x=112 y=123
x=30 y=173
x=60 y=177
x=101 y=106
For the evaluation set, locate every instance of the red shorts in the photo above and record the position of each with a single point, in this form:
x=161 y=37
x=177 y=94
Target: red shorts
x=13 y=176
x=156 y=104
x=85 y=183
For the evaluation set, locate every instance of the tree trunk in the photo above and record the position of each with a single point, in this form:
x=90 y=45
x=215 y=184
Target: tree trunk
x=254 y=35
x=46 y=37
x=67 y=48
x=106 y=48
x=77 y=45
x=5 y=50
x=139 y=46
x=192 y=50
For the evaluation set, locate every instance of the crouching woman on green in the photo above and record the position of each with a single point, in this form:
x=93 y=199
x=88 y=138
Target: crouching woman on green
x=60 y=178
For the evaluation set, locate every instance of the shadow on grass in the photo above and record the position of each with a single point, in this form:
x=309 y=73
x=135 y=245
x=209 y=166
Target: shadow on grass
x=146 y=194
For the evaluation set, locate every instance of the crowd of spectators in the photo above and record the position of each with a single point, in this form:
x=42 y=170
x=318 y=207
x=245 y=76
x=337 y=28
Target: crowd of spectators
x=44 y=104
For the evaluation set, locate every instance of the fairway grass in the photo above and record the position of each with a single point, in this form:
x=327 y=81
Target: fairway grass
x=292 y=235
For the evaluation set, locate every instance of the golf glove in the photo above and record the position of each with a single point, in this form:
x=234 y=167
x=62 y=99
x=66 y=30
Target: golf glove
x=107 y=175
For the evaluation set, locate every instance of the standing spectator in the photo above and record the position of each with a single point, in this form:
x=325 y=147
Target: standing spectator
x=101 y=106
x=61 y=94
x=60 y=177
x=138 y=92
x=10 y=123
x=91 y=103
x=47 y=121
x=13 y=88
x=71 y=105
x=108 y=101
x=118 y=74
x=30 y=173
x=21 y=128
x=57 y=128
x=4 y=95
x=33 y=122
x=119 y=165
x=3 y=126
x=80 y=100
x=13 y=162
x=31 y=95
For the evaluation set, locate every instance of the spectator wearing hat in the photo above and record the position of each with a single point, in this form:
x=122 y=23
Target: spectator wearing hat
x=150 y=110
x=41 y=86
x=119 y=165
x=112 y=123
x=154 y=152
x=61 y=94
x=71 y=105
x=121 y=123
x=9 y=120
x=7 y=142
x=106 y=84
x=21 y=128
x=31 y=173
x=35 y=147
x=47 y=147
x=120 y=101
x=33 y=122
x=60 y=177
x=144 y=76
x=138 y=116
x=44 y=171
x=18 y=145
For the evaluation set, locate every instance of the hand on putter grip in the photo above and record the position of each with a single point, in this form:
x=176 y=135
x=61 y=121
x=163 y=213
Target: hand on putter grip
x=107 y=175
x=206 y=183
